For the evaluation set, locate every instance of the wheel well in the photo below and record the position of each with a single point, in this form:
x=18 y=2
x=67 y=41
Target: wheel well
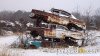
x=72 y=25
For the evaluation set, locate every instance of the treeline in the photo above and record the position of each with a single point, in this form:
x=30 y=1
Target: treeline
x=92 y=20
x=14 y=21
x=15 y=16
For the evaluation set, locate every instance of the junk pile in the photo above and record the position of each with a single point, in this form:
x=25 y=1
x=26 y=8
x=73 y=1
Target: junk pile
x=56 y=29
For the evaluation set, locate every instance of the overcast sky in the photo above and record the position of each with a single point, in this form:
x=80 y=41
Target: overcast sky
x=68 y=5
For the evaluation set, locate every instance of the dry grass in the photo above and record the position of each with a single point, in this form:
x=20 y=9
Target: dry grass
x=4 y=52
x=10 y=52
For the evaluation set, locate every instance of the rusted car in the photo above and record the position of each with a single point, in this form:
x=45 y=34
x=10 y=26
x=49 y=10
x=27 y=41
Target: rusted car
x=56 y=28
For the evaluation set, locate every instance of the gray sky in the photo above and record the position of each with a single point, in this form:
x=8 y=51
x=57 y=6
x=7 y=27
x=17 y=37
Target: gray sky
x=68 y=5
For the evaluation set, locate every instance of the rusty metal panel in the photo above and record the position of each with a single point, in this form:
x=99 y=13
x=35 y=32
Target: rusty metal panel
x=49 y=33
x=52 y=18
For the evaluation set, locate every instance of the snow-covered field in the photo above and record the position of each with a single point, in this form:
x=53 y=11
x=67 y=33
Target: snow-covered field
x=6 y=41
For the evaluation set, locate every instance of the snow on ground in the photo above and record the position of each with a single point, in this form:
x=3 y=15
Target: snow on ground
x=38 y=52
x=6 y=41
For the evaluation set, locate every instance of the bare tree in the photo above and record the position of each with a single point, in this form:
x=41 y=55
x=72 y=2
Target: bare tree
x=97 y=18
